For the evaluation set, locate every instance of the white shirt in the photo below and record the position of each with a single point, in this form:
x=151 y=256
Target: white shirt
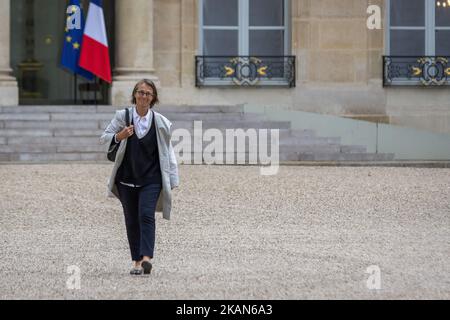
x=141 y=124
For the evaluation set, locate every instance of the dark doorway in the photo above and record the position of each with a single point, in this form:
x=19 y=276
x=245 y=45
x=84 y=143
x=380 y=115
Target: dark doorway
x=37 y=35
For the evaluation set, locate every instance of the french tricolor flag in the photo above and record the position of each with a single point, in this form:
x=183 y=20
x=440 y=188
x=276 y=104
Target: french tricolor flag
x=94 y=55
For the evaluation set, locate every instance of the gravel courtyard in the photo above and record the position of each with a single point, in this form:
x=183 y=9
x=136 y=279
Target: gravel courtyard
x=305 y=233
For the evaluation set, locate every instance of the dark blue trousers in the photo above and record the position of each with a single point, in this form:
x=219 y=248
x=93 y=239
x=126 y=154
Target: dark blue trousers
x=139 y=204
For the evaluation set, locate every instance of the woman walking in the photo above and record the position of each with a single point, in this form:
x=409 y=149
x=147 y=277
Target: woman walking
x=145 y=170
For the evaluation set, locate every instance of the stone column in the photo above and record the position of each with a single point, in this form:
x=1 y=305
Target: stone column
x=9 y=91
x=134 y=48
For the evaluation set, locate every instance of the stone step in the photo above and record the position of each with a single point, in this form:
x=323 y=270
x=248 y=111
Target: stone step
x=294 y=156
x=95 y=121
x=282 y=133
x=83 y=149
x=26 y=133
x=313 y=149
x=88 y=156
x=112 y=109
x=78 y=133
x=5 y=117
x=310 y=141
x=71 y=133
x=353 y=149
x=24 y=148
x=50 y=132
x=295 y=133
x=327 y=148
x=161 y=108
x=71 y=147
x=49 y=157
x=212 y=116
x=291 y=156
x=53 y=141
x=32 y=124
x=337 y=157
x=203 y=109
x=25 y=116
x=228 y=124
x=241 y=124
x=52 y=109
x=80 y=116
x=48 y=154
x=322 y=148
x=171 y=116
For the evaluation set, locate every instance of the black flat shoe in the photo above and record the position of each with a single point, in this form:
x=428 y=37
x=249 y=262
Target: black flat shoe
x=147 y=266
x=136 y=271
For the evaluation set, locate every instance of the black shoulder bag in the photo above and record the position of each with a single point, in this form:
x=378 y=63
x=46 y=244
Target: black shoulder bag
x=113 y=147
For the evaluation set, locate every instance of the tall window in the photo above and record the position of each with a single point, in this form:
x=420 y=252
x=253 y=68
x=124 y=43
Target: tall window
x=418 y=28
x=418 y=43
x=244 y=42
x=244 y=27
x=442 y=28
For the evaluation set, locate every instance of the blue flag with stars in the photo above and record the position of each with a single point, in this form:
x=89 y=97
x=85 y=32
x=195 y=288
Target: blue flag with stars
x=73 y=36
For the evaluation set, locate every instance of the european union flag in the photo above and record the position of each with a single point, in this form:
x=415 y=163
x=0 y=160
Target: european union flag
x=73 y=40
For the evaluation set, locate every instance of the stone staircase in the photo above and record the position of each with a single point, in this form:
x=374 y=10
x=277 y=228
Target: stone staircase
x=71 y=133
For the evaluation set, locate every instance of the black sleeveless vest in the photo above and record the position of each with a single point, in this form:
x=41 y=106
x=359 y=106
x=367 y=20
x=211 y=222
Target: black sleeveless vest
x=140 y=165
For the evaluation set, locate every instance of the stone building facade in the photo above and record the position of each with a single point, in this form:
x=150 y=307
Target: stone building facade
x=339 y=66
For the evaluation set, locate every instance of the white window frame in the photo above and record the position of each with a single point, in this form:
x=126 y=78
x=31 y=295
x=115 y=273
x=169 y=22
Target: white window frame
x=430 y=34
x=244 y=29
x=430 y=28
x=437 y=28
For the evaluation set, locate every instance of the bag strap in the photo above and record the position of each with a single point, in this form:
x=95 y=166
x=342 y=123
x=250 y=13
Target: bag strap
x=127 y=117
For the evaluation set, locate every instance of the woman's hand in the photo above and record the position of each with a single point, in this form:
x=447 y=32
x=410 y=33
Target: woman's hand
x=125 y=133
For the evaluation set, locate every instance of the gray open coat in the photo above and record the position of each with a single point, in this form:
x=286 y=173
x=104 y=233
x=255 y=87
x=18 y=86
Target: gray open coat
x=167 y=160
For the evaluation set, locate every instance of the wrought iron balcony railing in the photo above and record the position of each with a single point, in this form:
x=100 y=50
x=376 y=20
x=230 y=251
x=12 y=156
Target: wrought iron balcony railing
x=245 y=71
x=413 y=70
